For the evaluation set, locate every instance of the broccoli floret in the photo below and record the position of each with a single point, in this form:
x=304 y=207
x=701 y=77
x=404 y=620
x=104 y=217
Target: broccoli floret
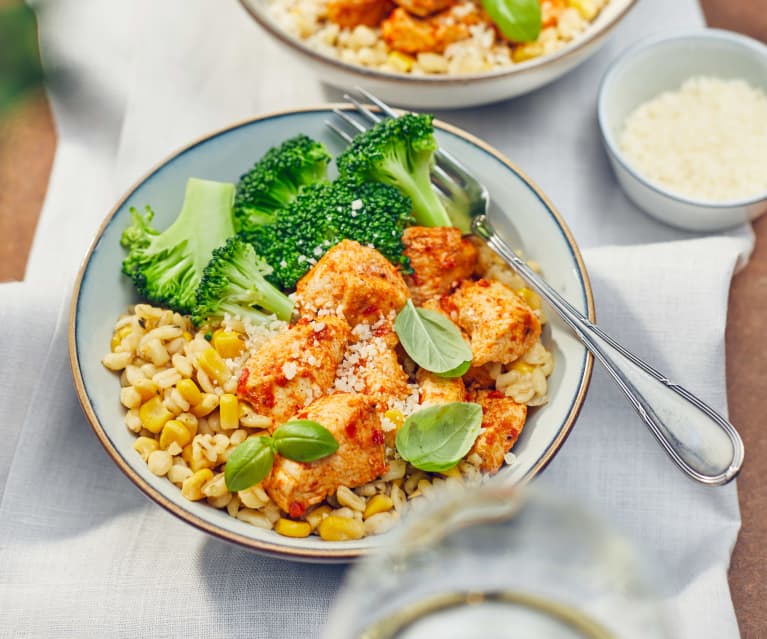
x=400 y=152
x=234 y=283
x=276 y=178
x=322 y=215
x=167 y=266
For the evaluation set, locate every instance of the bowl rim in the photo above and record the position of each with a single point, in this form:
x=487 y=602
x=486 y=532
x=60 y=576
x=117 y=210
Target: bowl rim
x=616 y=67
x=325 y=555
x=572 y=48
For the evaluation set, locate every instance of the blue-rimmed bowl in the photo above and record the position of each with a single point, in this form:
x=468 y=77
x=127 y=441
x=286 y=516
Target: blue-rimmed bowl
x=662 y=63
x=102 y=293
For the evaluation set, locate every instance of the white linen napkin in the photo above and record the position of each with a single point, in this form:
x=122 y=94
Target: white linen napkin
x=83 y=553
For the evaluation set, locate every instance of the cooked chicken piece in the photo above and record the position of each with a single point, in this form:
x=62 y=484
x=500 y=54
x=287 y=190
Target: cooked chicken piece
x=424 y=8
x=352 y=418
x=371 y=365
x=350 y=13
x=409 y=34
x=355 y=280
x=502 y=422
x=482 y=376
x=499 y=324
x=440 y=257
x=439 y=390
x=294 y=367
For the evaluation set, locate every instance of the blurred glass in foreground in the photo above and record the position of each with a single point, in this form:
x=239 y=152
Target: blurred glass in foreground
x=20 y=68
x=497 y=562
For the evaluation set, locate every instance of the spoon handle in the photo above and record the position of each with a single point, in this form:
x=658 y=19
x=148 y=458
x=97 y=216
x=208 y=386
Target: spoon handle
x=700 y=441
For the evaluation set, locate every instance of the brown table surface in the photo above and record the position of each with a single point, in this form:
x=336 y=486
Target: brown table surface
x=27 y=144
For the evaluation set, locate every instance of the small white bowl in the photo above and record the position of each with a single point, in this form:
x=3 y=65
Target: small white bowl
x=441 y=91
x=662 y=63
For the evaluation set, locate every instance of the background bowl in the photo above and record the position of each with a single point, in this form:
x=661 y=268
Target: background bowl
x=102 y=293
x=443 y=91
x=663 y=63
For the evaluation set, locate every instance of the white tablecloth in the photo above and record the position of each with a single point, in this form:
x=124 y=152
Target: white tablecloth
x=83 y=553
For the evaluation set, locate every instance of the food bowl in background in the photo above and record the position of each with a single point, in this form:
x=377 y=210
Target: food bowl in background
x=662 y=63
x=447 y=91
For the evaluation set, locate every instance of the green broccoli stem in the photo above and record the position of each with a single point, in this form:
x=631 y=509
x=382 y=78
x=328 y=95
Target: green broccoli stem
x=258 y=291
x=427 y=207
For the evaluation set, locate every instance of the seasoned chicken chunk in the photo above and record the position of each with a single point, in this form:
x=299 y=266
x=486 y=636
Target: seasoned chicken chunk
x=409 y=34
x=502 y=422
x=440 y=257
x=499 y=324
x=294 y=367
x=371 y=366
x=424 y=8
x=354 y=422
x=439 y=390
x=355 y=280
x=350 y=13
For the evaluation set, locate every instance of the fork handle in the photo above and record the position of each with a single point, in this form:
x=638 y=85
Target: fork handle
x=702 y=443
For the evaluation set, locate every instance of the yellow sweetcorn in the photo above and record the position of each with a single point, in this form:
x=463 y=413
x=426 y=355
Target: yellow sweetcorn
x=192 y=486
x=335 y=528
x=229 y=411
x=119 y=335
x=174 y=431
x=229 y=344
x=189 y=391
x=214 y=366
x=290 y=528
x=144 y=446
x=187 y=336
x=451 y=472
x=587 y=8
x=532 y=298
x=395 y=416
x=146 y=388
x=522 y=367
x=378 y=504
x=315 y=516
x=206 y=406
x=154 y=415
x=527 y=51
x=401 y=61
x=190 y=421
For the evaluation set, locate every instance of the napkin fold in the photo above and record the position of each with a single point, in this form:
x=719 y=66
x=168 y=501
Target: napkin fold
x=82 y=552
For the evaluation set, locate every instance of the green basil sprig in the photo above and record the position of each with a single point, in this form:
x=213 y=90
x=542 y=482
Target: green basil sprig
x=436 y=438
x=518 y=20
x=432 y=341
x=300 y=440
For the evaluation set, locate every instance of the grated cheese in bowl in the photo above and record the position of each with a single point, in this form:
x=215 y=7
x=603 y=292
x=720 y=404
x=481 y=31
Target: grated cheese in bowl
x=705 y=141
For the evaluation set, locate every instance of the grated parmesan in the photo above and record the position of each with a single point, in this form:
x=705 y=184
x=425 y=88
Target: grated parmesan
x=706 y=140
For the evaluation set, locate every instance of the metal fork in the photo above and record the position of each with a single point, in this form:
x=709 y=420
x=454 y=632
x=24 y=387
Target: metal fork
x=699 y=440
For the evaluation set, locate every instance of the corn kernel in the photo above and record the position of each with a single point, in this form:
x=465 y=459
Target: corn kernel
x=146 y=388
x=522 y=367
x=229 y=344
x=378 y=504
x=586 y=8
x=174 y=431
x=214 y=366
x=144 y=446
x=402 y=62
x=130 y=397
x=160 y=462
x=290 y=528
x=192 y=486
x=206 y=406
x=154 y=415
x=187 y=336
x=119 y=335
x=317 y=515
x=527 y=51
x=190 y=421
x=335 y=528
x=453 y=472
x=189 y=391
x=395 y=416
x=532 y=298
x=229 y=411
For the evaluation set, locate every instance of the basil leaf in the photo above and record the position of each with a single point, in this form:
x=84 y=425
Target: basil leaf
x=431 y=340
x=437 y=438
x=458 y=371
x=249 y=463
x=518 y=20
x=304 y=440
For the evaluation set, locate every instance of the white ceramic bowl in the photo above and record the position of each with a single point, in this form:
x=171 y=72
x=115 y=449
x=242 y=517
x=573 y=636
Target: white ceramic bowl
x=662 y=63
x=442 y=91
x=102 y=293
